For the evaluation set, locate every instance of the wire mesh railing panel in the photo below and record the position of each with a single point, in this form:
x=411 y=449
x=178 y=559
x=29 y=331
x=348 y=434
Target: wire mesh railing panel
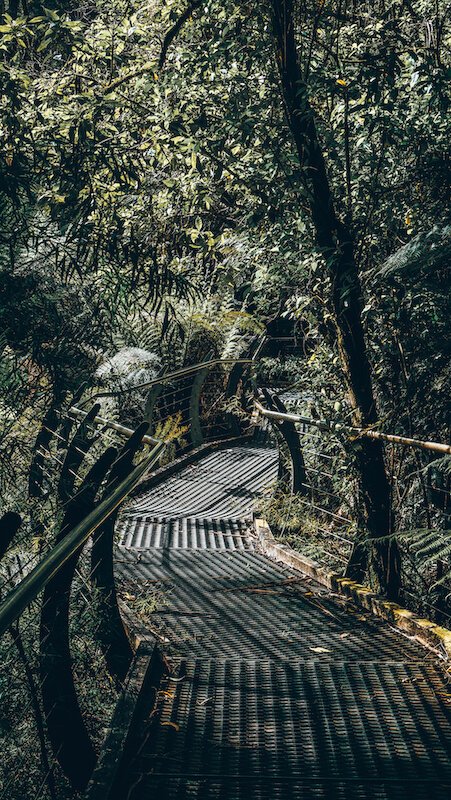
x=320 y=516
x=96 y=690
x=421 y=497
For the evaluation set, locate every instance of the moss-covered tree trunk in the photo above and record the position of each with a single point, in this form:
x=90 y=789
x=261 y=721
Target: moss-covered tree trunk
x=335 y=242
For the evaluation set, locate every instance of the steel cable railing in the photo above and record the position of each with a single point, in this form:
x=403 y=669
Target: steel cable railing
x=188 y=401
x=421 y=509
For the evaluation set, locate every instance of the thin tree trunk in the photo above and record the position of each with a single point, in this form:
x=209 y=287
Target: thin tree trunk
x=335 y=242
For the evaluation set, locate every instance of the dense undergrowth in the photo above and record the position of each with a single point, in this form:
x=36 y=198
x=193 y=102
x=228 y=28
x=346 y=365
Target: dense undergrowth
x=159 y=208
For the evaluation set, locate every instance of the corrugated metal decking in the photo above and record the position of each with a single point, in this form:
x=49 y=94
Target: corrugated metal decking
x=144 y=533
x=278 y=690
x=240 y=603
x=298 y=729
x=223 y=484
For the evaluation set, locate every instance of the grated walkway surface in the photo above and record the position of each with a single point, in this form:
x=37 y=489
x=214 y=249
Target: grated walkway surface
x=277 y=690
x=224 y=484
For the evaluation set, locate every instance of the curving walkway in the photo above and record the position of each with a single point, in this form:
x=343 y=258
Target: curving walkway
x=277 y=689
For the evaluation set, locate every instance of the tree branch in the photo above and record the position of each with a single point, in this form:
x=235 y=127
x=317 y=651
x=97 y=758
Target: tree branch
x=149 y=66
x=173 y=32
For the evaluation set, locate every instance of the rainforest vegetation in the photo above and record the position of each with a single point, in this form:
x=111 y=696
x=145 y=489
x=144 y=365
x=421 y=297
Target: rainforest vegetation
x=179 y=178
x=184 y=181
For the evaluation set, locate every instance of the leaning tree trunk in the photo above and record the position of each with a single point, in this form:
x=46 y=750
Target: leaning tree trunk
x=335 y=242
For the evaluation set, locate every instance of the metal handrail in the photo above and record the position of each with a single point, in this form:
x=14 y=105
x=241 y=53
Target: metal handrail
x=359 y=433
x=36 y=580
x=114 y=426
x=170 y=376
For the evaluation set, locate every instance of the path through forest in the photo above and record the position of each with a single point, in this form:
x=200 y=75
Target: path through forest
x=277 y=688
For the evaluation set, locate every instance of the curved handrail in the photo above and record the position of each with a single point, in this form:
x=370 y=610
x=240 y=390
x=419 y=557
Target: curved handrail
x=170 y=376
x=36 y=580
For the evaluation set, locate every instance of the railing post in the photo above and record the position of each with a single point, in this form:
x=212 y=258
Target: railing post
x=236 y=375
x=9 y=525
x=151 y=402
x=68 y=736
x=233 y=381
x=43 y=439
x=195 y=429
x=112 y=636
x=76 y=452
x=67 y=422
x=290 y=436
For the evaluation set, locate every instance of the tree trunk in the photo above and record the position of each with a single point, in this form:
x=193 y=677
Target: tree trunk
x=335 y=242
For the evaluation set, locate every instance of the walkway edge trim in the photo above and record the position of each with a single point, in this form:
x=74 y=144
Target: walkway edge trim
x=424 y=630
x=146 y=671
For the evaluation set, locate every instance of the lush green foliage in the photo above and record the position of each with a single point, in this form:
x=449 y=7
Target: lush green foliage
x=152 y=196
x=154 y=211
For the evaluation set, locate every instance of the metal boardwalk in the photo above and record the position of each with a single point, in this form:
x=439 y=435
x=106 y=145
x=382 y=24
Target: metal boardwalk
x=277 y=689
x=224 y=484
